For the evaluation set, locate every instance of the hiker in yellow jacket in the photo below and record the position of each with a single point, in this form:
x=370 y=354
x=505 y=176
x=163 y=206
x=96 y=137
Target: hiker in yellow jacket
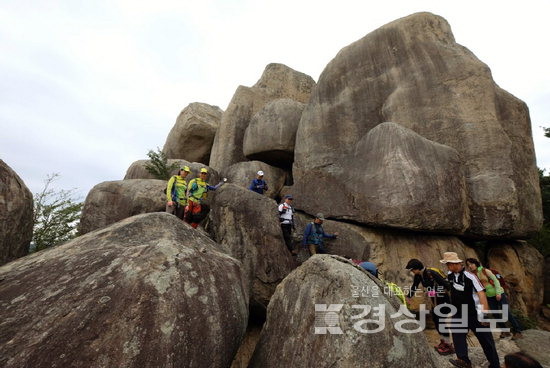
x=176 y=193
x=197 y=192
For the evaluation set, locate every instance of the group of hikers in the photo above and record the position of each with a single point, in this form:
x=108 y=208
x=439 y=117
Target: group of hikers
x=473 y=290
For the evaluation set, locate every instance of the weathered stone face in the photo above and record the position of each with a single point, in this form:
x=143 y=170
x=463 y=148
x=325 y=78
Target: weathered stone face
x=137 y=170
x=192 y=136
x=413 y=73
x=149 y=291
x=247 y=224
x=16 y=211
x=243 y=173
x=289 y=335
x=271 y=134
x=522 y=267
x=277 y=81
x=112 y=201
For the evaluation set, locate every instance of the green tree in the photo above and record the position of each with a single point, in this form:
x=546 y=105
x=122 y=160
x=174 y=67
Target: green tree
x=158 y=165
x=56 y=215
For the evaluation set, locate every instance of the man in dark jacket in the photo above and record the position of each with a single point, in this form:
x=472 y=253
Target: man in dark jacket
x=314 y=235
x=258 y=185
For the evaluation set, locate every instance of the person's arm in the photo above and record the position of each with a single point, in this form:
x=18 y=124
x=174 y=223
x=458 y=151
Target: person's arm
x=210 y=187
x=440 y=280
x=307 y=232
x=282 y=208
x=414 y=287
x=483 y=301
x=498 y=288
x=329 y=236
x=169 y=190
x=252 y=185
x=192 y=187
x=264 y=185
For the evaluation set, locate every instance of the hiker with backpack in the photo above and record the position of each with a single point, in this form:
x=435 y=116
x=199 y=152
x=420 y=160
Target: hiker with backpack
x=468 y=297
x=286 y=218
x=392 y=288
x=258 y=185
x=197 y=191
x=176 y=193
x=314 y=236
x=496 y=295
x=436 y=285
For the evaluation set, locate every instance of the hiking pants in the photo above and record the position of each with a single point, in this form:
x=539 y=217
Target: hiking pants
x=437 y=316
x=192 y=210
x=494 y=304
x=484 y=338
x=287 y=235
x=177 y=209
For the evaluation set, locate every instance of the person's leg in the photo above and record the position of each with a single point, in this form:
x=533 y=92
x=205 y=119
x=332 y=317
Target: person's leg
x=516 y=326
x=494 y=305
x=195 y=212
x=180 y=211
x=461 y=345
x=312 y=249
x=170 y=209
x=486 y=340
x=322 y=249
x=287 y=235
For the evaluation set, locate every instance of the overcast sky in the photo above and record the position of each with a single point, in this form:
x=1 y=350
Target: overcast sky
x=87 y=87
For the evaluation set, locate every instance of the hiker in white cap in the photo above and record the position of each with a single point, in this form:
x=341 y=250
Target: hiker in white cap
x=468 y=296
x=258 y=185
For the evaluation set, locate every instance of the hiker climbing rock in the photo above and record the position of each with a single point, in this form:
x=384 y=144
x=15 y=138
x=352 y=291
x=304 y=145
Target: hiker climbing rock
x=286 y=218
x=197 y=192
x=496 y=295
x=176 y=193
x=314 y=235
x=436 y=286
x=391 y=288
x=468 y=295
x=258 y=185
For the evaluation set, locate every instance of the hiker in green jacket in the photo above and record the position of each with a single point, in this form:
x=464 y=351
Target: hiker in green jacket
x=176 y=193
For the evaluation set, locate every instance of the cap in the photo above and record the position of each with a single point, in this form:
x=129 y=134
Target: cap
x=288 y=196
x=414 y=264
x=203 y=170
x=320 y=216
x=185 y=168
x=260 y=173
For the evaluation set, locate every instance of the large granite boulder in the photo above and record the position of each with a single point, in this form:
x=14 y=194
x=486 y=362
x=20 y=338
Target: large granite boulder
x=149 y=291
x=137 y=170
x=247 y=224
x=192 y=136
x=533 y=343
x=271 y=134
x=412 y=72
x=243 y=173
x=112 y=201
x=522 y=266
x=16 y=215
x=277 y=81
x=300 y=331
x=395 y=177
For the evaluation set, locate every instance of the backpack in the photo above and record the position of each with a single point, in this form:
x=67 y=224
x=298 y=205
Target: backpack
x=498 y=275
x=174 y=192
x=437 y=270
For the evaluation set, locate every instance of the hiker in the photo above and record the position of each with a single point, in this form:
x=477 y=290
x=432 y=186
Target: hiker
x=495 y=296
x=286 y=218
x=520 y=360
x=258 y=185
x=197 y=191
x=314 y=235
x=176 y=193
x=436 y=285
x=392 y=288
x=370 y=267
x=468 y=293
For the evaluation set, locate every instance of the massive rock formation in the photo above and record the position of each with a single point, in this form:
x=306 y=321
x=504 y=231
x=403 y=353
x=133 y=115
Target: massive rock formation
x=192 y=136
x=149 y=291
x=522 y=267
x=293 y=318
x=248 y=225
x=112 y=201
x=277 y=81
x=243 y=173
x=137 y=170
x=271 y=134
x=413 y=73
x=16 y=220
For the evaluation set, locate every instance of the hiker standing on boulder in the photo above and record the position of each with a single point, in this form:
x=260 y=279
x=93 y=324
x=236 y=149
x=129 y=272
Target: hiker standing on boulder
x=314 y=235
x=495 y=295
x=196 y=211
x=176 y=193
x=468 y=296
x=436 y=285
x=258 y=185
x=286 y=218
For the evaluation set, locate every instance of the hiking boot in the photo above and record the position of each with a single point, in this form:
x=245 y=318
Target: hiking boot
x=505 y=335
x=460 y=363
x=517 y=336
x=446 y=349
x=441 y=344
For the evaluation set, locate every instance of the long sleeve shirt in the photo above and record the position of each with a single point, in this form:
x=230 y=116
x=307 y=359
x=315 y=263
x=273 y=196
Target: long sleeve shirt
x=258 y=186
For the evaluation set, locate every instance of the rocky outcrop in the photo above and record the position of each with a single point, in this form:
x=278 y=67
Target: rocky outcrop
x=413 y=73
x=149 y=291
x=192 y=136
x=16 y=213
x=112 y=201
x=277 y=81
x=247 y=224
x=243 y=173
x=271 y=134
x=137 y=170
x=533 y=343
x=522 y=267
x=395 y=178
x=295 y=330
